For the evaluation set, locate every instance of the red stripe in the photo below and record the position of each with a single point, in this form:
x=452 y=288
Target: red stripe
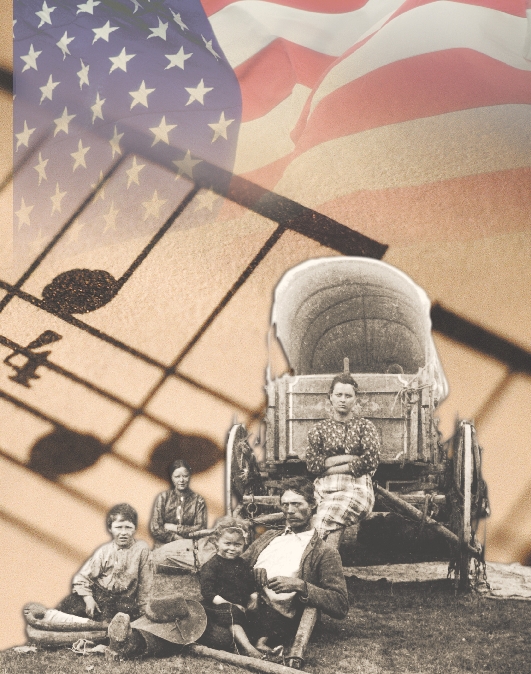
x=461 y=208
x=467 y=207
x=420 y=86
x=320 y=6
x=515 y=7
x=268 y=77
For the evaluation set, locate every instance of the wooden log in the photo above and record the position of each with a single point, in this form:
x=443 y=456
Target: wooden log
x=57 y=639
x=202 y=533
x=410 y=511
x=272 y=518
x=262 y=500
x=240 y=660
x=81 y=626
x=438 y=499
x=304 y=632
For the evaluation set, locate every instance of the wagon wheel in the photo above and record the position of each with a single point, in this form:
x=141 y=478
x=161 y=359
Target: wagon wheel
x=466 y=464
x=243 y=472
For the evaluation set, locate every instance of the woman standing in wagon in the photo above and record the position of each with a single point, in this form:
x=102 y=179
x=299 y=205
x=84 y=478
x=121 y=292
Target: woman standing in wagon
x=177 y=514
x=343 y=452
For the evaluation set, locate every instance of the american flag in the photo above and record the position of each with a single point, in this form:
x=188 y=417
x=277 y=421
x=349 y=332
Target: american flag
x=405 y=119
x=400 y=118
x=99 y=80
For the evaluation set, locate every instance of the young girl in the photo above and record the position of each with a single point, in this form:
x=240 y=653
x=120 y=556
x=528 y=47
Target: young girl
x=228 y=589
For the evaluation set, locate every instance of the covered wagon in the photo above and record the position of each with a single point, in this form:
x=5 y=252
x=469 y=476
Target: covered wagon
x=365 y=317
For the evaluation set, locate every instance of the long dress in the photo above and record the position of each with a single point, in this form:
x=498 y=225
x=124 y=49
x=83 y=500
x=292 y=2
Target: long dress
x=346 y=498
x=175 y=550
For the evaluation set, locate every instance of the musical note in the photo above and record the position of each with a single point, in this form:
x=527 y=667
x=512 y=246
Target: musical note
x=26 y=364
x=79 y=291
x=201 y=453
x=64 y=451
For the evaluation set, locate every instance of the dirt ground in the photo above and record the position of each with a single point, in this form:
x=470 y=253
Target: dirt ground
x=392 y=628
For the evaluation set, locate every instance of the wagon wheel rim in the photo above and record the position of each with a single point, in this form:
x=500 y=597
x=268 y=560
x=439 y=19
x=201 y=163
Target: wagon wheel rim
x=237 y=433
x=466 y=473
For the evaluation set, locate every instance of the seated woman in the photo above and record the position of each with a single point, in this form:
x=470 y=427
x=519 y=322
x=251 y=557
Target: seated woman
x=177 y=514
x=343 y=452
x=118 y=576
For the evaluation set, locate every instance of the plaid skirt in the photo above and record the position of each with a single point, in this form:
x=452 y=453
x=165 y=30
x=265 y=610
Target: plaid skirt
x=342 y=500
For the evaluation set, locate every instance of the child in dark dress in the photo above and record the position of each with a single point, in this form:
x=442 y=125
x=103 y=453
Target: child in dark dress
x=228 y=589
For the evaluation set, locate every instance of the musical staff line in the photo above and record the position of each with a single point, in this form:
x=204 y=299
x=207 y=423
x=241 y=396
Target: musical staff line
x=35 y=301
x=52 y=542
x=37 y=145
x=70 y=491
x=107 y=447
x=134 y=409
x=219 y=308
x=480 y=339
x=494 y=397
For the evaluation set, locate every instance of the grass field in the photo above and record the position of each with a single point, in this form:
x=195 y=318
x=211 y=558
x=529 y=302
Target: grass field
x=401 y=628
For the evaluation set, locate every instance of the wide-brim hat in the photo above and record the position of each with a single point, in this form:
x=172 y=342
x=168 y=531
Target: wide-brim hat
x=173 y=618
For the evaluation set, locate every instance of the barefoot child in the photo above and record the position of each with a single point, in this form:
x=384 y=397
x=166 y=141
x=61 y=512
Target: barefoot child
x=228 y=587
x=118 y=576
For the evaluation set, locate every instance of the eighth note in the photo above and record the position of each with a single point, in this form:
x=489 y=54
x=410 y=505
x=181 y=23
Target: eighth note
x=25 y=365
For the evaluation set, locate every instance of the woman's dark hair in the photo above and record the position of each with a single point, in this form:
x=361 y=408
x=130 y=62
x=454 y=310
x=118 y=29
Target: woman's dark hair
x=344 y=378
x=123 y=510
x=300 y=485
x=180 y=463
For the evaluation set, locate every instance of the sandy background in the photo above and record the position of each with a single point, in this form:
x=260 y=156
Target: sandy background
x=45 y=533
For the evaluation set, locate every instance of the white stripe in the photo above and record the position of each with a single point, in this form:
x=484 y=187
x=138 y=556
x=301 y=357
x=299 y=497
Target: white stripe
x=246 y=27
x=416 y=152
x=267 y=138
x=430 y=28
x=527 y=43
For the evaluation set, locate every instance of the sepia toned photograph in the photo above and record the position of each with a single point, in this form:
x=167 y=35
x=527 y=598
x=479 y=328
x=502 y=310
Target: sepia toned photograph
x=265 y=336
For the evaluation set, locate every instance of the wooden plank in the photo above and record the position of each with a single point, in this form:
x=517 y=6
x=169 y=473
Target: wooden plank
x=467 y=483
x=240 y=660
x=302 y=401
x=304 y=632
x=320 y=383
x=414 y=432
x=282 y=416
x=428 y=448
x=264 y=500
x=391 y=433
x=410 y=511
x=270 y=433
x=438 y=499
x=374 y=404
x=49 y=638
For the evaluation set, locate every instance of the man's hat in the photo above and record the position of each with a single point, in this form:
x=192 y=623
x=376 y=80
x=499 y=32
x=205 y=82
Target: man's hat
x=173 y=618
